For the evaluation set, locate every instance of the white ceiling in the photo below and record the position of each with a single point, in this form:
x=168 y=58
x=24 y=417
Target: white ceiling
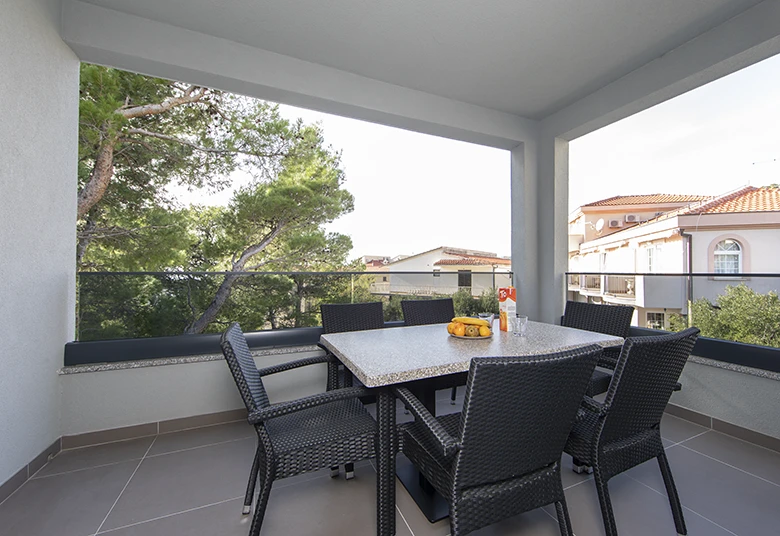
x=527 y=57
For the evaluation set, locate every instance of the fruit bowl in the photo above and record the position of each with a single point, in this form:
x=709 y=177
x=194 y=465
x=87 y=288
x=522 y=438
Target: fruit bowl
x=464 y=327
x=471 y=338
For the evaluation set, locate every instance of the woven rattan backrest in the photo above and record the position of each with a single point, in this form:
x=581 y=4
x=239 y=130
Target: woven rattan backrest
x=243 y=368
x=341 y=317
x=645 y=376
x=420 y=312
x=608 y=319
x=518 y=413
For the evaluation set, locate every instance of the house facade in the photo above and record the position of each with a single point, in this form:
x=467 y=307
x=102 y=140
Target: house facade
x=443 y=270
x=726 y=237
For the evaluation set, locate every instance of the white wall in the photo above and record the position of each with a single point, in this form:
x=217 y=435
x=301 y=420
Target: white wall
x=97 y=401
x=39 y=77
x=741 y=399
x=761 y=255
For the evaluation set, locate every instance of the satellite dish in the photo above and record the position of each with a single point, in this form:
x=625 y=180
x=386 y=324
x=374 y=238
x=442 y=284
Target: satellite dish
x=600 y=225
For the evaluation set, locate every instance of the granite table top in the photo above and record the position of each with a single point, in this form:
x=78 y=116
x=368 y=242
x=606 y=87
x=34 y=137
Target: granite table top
x=395 y=355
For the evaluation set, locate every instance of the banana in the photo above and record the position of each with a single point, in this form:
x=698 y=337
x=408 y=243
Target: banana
x=473 y=321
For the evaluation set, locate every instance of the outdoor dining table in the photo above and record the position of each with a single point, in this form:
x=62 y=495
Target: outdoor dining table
x=383 y=358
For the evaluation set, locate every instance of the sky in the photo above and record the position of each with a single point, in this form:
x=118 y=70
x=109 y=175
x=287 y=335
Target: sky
x=709 y=141
x=414 y=192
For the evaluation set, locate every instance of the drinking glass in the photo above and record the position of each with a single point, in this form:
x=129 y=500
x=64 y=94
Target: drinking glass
x=486 y=316
x=520 y=325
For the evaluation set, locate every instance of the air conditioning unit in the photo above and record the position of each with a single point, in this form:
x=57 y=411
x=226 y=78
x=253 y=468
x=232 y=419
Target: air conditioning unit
x=632 y=218
x=615 y=223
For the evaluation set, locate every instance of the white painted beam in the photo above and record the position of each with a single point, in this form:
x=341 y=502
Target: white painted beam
x=108 y=37
x=748 y=38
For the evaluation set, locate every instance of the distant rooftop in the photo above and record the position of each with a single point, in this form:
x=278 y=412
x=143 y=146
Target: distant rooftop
x=474 y=260
x=648 y=199
x=747 y=199
x=470 y=257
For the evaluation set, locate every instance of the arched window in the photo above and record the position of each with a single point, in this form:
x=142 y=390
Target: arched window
x=728 y=257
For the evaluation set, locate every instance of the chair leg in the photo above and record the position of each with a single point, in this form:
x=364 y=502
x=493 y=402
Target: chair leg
x=453 y=395
x=333 y=376
x=347 y=377
x=671 y=490
x=564 y=522
x=349 y=471
x=580 y=468
x=606 y=504
x=262 y=502
x=250 y=488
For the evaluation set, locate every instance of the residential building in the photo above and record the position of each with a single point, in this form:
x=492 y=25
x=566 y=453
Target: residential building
x=444 y=270
x=526 y=77
x=732 y=234
x=373 y=262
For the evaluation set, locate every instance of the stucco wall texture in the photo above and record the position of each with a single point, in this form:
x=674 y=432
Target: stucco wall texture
x=39 y=77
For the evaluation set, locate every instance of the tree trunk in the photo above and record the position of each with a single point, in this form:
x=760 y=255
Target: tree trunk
x=98 y=181
x=85 y=239
x=224 y=290
x=211 y=312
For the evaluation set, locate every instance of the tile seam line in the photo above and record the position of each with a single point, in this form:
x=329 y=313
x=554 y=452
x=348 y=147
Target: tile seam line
x=134 y=459
x=170 y=515
x=745 y=441
x=150 y=435
x=110 y=510
x=732 y=466
x=686 y=507
x=206 y=506
x=404 y=520
x=684 y=440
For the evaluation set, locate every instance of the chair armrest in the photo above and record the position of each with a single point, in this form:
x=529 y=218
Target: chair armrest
x=285 y=408
x=436 y=432
x=296 y=364
x=591 y=405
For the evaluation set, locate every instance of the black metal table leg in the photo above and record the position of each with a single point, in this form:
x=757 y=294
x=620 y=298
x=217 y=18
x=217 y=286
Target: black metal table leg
x=431 y=504
x=385 y=462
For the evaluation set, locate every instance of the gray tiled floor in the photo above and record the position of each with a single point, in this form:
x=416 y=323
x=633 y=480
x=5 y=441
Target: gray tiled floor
x=192 y=483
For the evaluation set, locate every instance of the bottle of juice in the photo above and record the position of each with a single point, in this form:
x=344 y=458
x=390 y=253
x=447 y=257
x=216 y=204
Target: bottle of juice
x=507 y=306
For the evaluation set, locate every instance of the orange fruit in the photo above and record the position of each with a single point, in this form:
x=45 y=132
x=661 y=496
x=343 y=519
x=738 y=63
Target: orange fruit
x=484 y=331
x=450 y=327
x=459 y=330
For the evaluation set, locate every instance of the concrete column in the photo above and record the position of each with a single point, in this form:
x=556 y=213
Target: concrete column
x=552 y=207
x=524 y=228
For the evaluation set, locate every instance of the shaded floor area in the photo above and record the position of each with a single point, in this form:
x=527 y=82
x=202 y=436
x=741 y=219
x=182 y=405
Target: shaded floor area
x=192 y=482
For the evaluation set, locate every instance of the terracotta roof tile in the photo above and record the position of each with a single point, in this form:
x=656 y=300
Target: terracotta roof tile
x=648 y=199
x=748 y=199
x=473 y=260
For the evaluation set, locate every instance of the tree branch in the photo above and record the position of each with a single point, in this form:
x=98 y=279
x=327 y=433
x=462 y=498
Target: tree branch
x=193 y=94
x=201 y=148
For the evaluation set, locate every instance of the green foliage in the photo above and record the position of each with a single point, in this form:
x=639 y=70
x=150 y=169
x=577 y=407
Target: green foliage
x=678 y=322
x=740 y=314
x=465 y=304
x=197 y=144
x=488 y=301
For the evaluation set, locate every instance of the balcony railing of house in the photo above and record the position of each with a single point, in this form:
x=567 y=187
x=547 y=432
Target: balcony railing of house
x=737 y=313
x=125 y=316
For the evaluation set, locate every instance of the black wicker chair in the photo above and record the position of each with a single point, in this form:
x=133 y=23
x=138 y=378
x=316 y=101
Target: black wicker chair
x=608 y=319
x=311 y=433
x=423 y=312
x=624 y=430
x=342 y=317
x=500 y=456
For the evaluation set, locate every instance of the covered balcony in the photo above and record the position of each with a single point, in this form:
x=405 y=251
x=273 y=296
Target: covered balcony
x=148 y=437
